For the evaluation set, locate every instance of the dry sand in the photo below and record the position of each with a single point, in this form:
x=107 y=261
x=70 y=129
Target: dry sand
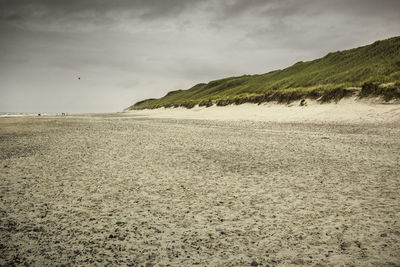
x=125 y=190
x=349 y=110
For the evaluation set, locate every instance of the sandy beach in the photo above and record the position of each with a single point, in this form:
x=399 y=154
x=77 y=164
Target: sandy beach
x=152 y=188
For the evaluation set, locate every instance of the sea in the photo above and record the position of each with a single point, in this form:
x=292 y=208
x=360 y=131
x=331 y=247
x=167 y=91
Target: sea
x=26 y=114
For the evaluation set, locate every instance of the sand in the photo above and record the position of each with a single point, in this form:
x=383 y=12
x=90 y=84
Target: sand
x=124 y=189
x=349 y=110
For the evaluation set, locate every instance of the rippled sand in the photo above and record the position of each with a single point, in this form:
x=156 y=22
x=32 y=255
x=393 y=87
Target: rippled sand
x=122 y=190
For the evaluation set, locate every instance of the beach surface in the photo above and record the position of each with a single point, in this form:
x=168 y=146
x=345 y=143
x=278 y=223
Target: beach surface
x=136 y=189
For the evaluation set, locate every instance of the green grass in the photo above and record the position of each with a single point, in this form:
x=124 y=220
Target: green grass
x=325 y=79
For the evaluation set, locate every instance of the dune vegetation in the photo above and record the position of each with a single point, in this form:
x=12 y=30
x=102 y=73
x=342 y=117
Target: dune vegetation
x=368 y=70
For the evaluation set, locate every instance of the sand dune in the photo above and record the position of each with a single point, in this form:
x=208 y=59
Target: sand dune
x=124 y=189
x=349 y=110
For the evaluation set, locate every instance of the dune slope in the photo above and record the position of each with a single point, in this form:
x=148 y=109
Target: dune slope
x=329 y=78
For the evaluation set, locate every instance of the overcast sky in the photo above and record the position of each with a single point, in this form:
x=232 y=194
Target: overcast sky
x=128 y=50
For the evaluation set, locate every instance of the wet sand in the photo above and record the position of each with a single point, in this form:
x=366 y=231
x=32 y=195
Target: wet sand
x=125 y=190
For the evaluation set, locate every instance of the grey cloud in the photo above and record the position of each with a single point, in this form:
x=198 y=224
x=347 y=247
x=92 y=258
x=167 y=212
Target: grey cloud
x=314 y=24
x=127 y=50
x=58 y=15
x=155 y=9
x=94 y=13
x=276 y=11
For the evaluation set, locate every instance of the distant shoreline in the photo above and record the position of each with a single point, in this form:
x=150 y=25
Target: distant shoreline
x=19 y=114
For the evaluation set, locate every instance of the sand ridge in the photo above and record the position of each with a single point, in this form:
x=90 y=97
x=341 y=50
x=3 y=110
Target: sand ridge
x=349 y=110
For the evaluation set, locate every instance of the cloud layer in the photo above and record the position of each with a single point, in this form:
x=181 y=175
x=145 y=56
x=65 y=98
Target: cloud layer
x=125 y=51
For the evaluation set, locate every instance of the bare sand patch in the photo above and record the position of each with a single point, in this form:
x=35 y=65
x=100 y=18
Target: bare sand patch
x=126 y=190
x=348 y=110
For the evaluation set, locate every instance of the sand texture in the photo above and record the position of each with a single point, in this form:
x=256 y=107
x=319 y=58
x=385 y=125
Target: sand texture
x=350 y=110
x=127 y=190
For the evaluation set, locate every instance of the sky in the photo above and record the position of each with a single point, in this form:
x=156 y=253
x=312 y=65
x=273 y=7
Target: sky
x=125 y=51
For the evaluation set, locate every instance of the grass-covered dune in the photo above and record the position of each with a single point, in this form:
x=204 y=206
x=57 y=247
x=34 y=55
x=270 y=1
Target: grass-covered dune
x=368 y=70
